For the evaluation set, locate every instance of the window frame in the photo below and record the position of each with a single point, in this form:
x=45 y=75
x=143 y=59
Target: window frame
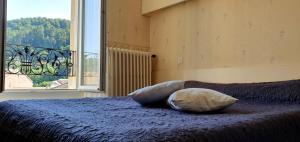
x=80 y=43
x=103 y=48
x=102 y=72
x=3 y=7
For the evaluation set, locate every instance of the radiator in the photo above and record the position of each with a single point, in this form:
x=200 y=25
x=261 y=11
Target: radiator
x=127 y=71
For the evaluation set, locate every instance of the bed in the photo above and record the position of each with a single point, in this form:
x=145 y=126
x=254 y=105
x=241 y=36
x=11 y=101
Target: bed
x=266 y=112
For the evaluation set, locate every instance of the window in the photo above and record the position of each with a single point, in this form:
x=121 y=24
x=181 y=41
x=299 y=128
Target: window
x=2 y=41
x=55 y=44
x=37 y=50
x=89 y=70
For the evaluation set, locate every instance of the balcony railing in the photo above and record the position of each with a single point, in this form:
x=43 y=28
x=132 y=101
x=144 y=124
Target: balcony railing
x=29 y=60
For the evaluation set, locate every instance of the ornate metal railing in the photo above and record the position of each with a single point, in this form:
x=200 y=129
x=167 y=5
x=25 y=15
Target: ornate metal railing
x=28 y=60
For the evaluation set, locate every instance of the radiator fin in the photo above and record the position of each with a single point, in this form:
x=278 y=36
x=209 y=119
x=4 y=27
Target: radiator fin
x=127 y=70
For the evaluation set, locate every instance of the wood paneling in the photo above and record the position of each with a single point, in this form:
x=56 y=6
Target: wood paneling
x=126 y=27
x=227 y=40
x=149 y=6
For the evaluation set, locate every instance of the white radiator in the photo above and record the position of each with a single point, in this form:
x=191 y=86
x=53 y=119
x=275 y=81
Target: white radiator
x=127 y=71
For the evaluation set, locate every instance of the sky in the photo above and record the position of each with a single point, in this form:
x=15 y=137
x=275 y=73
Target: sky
x=17 y=9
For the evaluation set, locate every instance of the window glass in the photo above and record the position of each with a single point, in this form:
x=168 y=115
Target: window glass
x=91 y=43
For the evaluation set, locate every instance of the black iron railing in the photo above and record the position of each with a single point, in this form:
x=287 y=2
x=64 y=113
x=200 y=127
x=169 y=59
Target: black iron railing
x=28 y=60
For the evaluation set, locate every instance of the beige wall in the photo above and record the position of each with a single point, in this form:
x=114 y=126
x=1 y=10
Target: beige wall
x=227 y=40
x=126 y=27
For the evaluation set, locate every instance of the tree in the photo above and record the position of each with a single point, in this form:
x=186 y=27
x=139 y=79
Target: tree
x=40 y=32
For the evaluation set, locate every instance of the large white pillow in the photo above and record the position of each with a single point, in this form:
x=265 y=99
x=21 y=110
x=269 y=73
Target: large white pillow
x=199 y=100
x=157 y=93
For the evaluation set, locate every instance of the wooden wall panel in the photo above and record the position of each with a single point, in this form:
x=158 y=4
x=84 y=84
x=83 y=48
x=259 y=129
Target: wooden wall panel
x=227 y=40
x=149 y=6
x=126 y=27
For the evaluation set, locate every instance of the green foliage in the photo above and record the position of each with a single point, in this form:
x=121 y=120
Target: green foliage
x=43 y=84
x=39 y=32
x=39 y=80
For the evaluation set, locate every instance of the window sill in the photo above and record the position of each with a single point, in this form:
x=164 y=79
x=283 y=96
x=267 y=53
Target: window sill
x=50 y=94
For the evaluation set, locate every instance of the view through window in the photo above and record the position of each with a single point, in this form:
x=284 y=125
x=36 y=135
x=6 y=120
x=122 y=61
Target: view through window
x=38 y=53
x=53 y=44
x=91 y=43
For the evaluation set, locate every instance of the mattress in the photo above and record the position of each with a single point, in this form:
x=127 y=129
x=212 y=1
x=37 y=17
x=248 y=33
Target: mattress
x=121 y=119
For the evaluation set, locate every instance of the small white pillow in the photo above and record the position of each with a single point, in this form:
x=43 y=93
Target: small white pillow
x=200 y=100
x=157 y=93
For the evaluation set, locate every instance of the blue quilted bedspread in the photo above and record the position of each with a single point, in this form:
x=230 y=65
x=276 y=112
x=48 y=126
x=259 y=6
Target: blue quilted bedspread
x=122 y=119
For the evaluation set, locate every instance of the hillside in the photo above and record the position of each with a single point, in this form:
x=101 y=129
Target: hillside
x=41 y=32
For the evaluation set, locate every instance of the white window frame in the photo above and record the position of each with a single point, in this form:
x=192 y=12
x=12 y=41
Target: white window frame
x=80 y=43
x=100 y=88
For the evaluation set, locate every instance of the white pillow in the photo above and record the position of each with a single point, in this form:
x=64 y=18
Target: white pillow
x=200 y=100
x=157 y=93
